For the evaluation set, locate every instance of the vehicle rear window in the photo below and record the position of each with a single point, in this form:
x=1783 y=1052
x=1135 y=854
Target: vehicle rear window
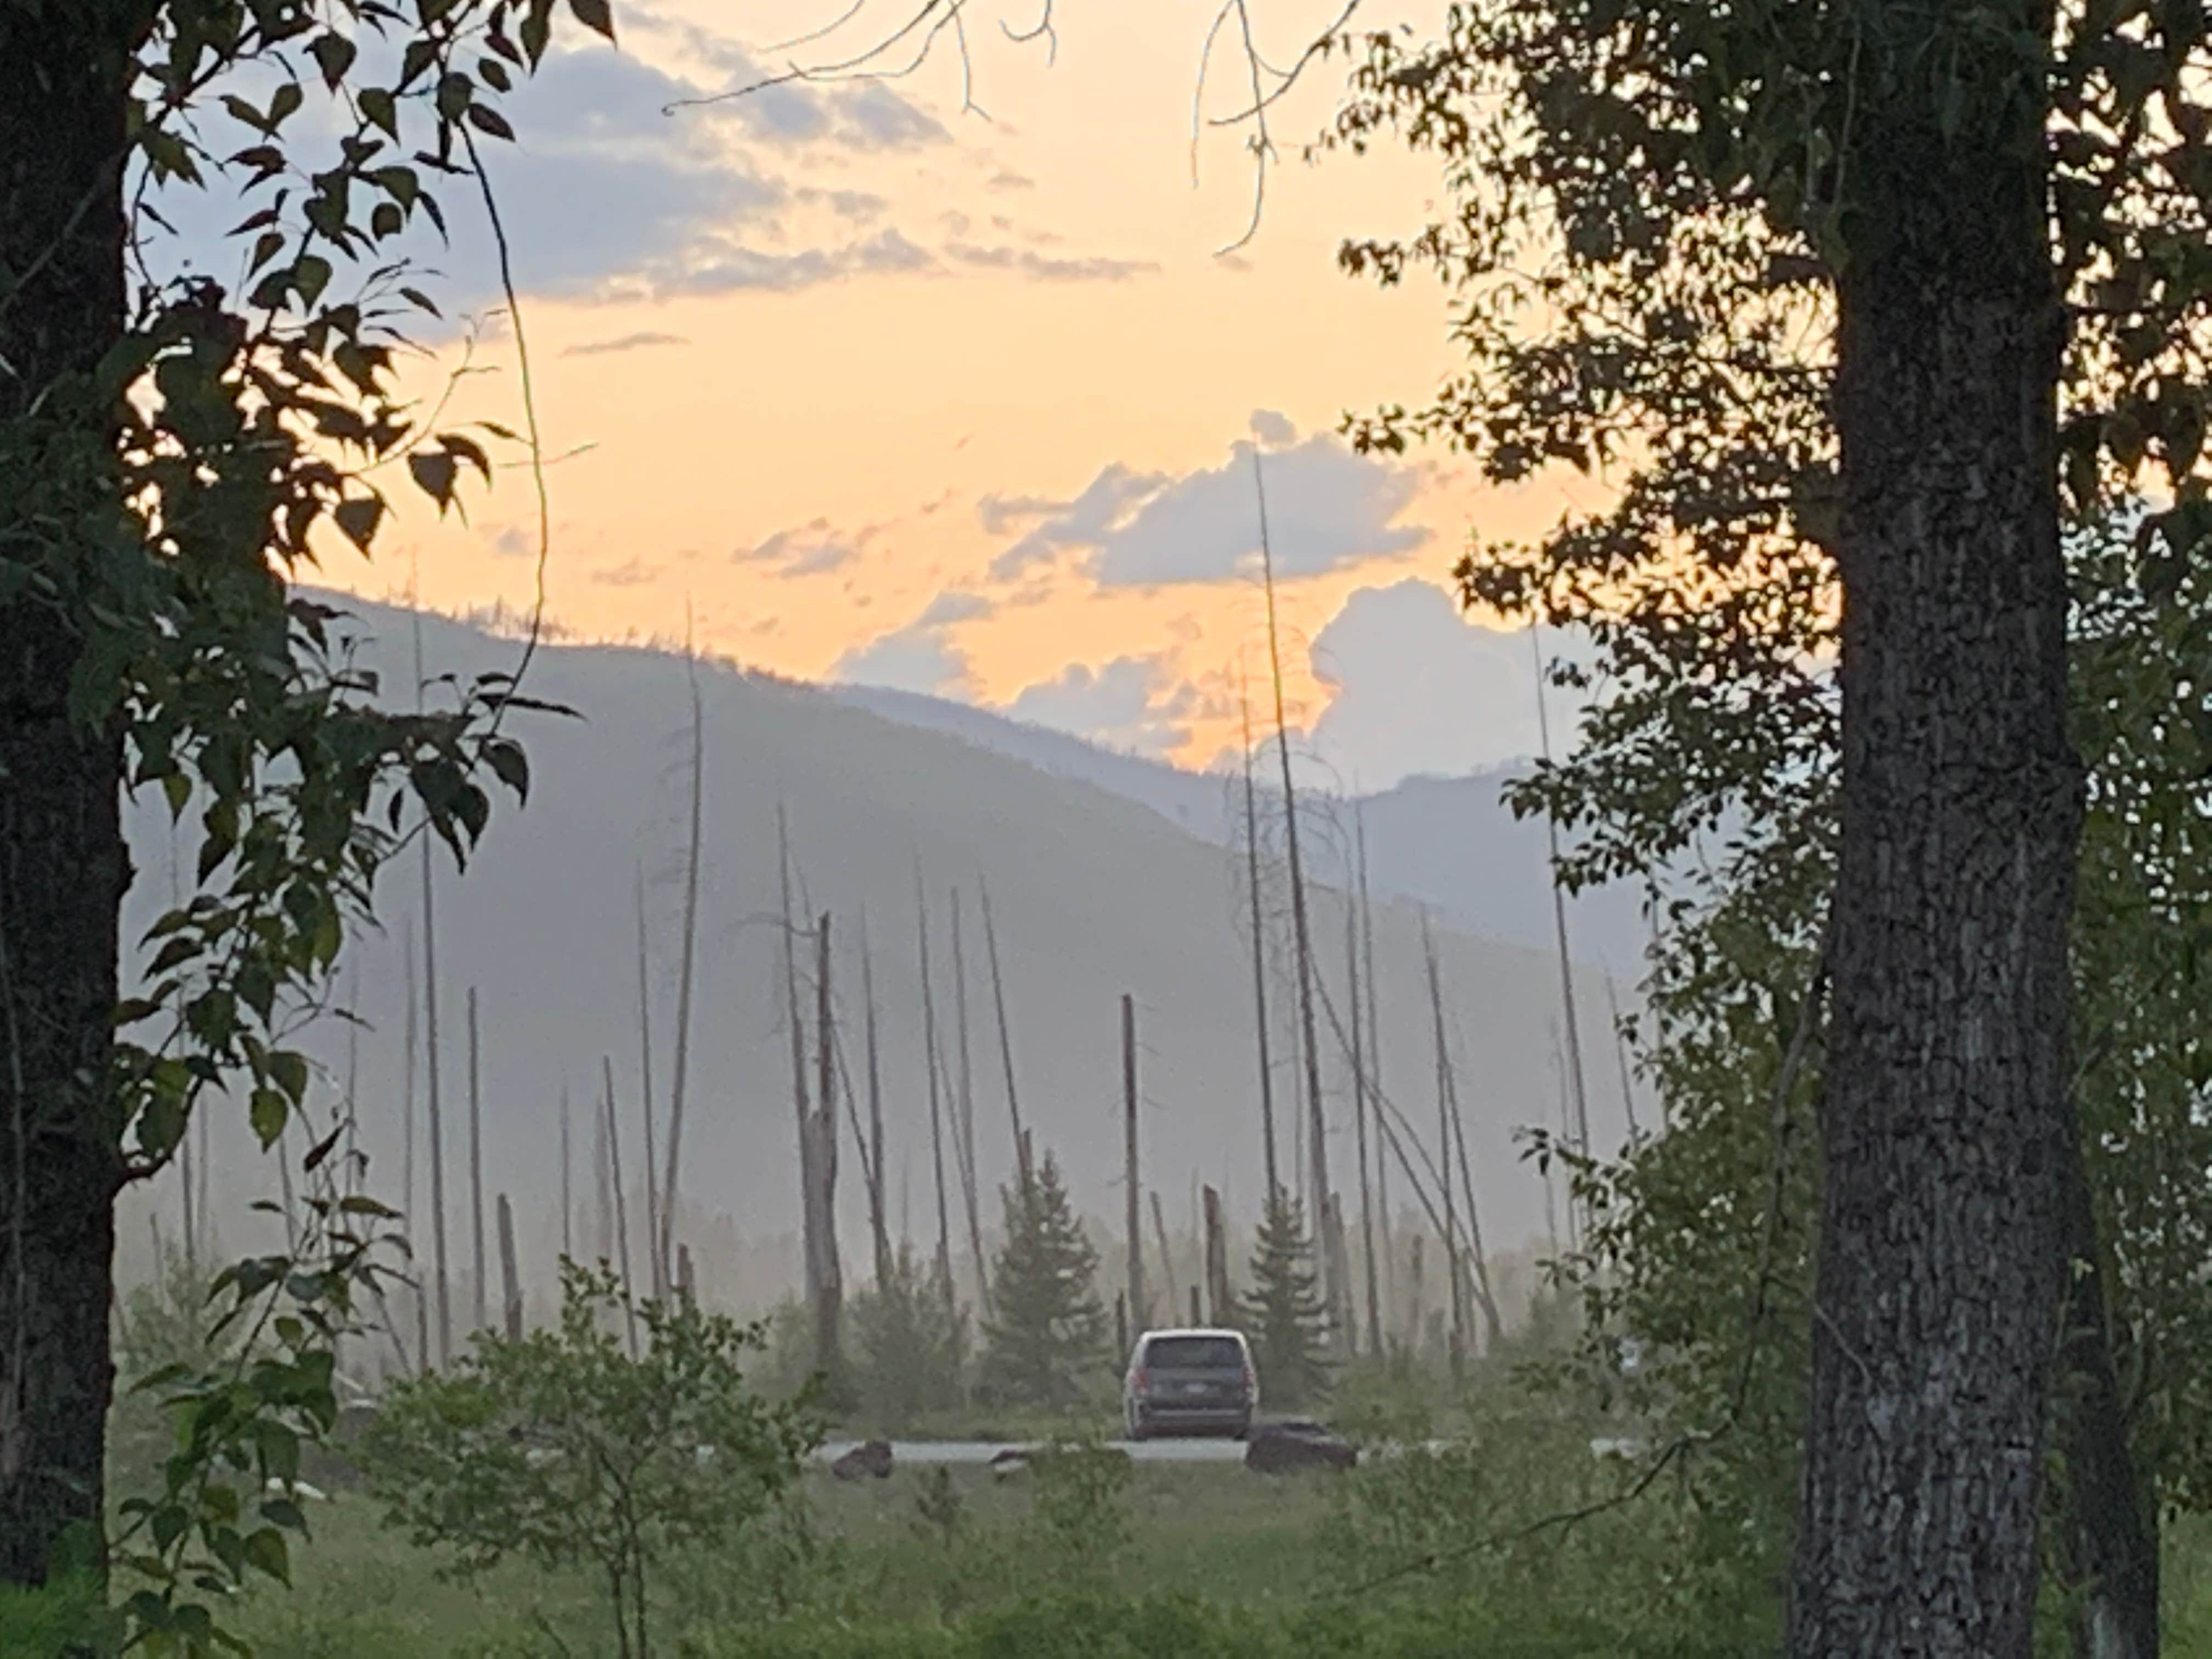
x=1195 y=1354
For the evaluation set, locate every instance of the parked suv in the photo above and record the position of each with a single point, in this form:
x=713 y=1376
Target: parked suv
x=1190 y=1381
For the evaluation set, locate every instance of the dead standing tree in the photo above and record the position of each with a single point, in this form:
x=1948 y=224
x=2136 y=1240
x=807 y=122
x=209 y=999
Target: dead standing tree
x=932 y=1064
x=873 y=1148
x=1332 y=1249
x=817 y=1174
x=963 y=1118
x=664 y=1246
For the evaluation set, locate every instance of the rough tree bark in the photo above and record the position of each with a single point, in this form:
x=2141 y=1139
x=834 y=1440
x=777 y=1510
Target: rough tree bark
x=63 y=867
x=1945 y=1118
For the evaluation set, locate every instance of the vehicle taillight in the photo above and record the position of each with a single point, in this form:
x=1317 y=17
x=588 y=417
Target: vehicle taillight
x=1251 y=1383
x=1143 y=1381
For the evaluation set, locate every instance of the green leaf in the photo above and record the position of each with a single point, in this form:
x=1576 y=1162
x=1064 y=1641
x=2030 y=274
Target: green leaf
x=433 y=470
x=485 y=118
x=285 y=104
x=289 y=1070
x=267 y=1113
x=358 y=517
x=595 y=15
x=310 y=274
x=510 y=765
x=335 y=53
x=378 y=107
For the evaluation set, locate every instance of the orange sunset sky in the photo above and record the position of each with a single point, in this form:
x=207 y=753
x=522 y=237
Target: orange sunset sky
x=874 y=389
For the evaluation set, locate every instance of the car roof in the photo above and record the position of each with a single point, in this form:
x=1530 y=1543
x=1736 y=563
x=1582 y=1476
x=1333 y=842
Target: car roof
x=1191 y=1330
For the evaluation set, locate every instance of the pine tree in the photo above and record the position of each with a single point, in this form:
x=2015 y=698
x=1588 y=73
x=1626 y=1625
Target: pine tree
x=1284 y=1319
x=910 y=1353
x=1046 y=1336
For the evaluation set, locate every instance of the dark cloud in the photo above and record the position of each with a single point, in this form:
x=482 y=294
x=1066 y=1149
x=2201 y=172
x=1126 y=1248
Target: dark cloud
x=859 y=205
x=1084 y=522
x=1327 y=508
x=1119 y=704
x=814 y=550
x=1006 y=179
x=1273 y=427
x=644 y=340
x=917 y=657
x=725 y=266
x=514 y=541
x=1045 y=268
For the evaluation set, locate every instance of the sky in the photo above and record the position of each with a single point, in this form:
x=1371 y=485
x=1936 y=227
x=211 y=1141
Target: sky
x=853 y=384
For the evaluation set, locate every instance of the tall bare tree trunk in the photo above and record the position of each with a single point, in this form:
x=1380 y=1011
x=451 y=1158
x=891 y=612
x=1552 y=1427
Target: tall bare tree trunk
x=1620 y=1053
x=930 y=1064
x=1351 y=914
x=825 y=1282
x=510 y=1279
x=1132 y=1188
x=878 y=1214
x=1334 y=1292
x=611 y=1120
x=476 y=1170
x=656 y=1261
x=1005 y=1039
x=1375 y=1071
x=1493 y=1328
x=670 y=1187
x=1578 y=1092
x=1948 y=1127
x=442 y=1264
x=1217 y=1261
x=420 y=1293
x=567 y=1188
x=1452 y=1272
x=1259 y=956
x=963 y=1116
x=1167 y=1261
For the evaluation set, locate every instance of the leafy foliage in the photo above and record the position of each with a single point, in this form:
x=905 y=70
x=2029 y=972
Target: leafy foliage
x=245 y=1390
x=1045 y=1342
x=909 y=1352
x=562 y=1448
x=1081 y=1490
x=1284 y=1319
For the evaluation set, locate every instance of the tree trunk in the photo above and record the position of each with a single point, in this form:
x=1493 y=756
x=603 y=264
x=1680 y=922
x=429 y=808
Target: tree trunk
x=963 y=1119
x=930 y=1063
x=1333 y=1290
x=1006 y=1036
x=1946 y=1125
x=1217 y=1262
x=879 y=1210
x=825 y=1279
x=63 y=867
x=656 y=1258
x=1167 y=1261
x=441 y=1264
x=1259 y=960
x=510 y=1279
x=2108 y=1538
x=1132 y=1192
x=481 y=1267
x=670 y=1182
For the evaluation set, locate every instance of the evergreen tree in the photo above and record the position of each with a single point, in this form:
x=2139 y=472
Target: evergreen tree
x=910 y=1356
x=1045 y=1337
x=1284 y=1319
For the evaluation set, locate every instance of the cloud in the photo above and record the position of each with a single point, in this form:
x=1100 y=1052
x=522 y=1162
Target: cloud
x=918 y=657
x=722 y=266
x=813 y=550
x=1419 y=689
x=1327 y=508
x=1083 y=522
x=608 y=196
x=1006 y=179
x=643 y=340
x=1044 y=268
x=1118 y=704
x=514 y=541
x=632 y=573
x=858 y=205
x=1273 y=429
